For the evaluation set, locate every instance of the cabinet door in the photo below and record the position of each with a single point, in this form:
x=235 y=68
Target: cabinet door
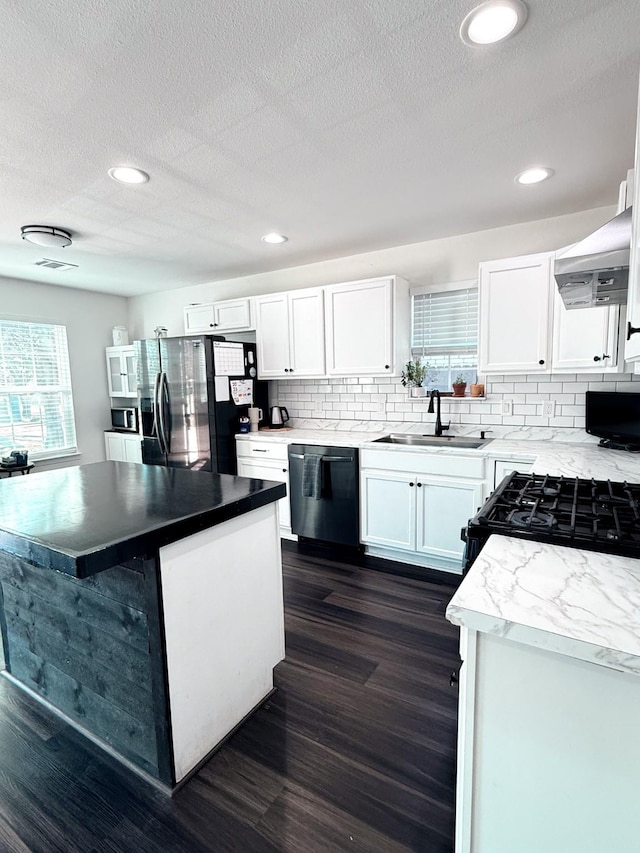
x=278 y=472
x=272 y=336
x=132 y=449
x=199 y=319
x=306 y=332
x=388 y=510
x=359 y=318
x=128 y=366
x=585 y=338
x=116 y=375
x=114 y=446
x=632 y=346
x=444 y=508
x=234 y=314
x=515 y=314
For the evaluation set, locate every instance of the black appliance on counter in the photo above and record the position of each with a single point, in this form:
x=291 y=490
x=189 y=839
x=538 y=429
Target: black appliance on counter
x=324 y=493
x=595 y=515
x=614 y=417
x=186 y=389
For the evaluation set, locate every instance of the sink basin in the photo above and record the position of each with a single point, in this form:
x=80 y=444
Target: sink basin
x=433 y=440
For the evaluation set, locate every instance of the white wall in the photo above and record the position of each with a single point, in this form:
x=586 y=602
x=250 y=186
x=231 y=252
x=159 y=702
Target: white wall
x=431 y=262
x=89 y=318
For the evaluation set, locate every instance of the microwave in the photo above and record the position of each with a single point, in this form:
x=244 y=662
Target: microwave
x=124 y=420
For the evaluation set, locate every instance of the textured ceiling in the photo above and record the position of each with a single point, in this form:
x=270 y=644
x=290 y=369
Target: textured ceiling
x=348 y=125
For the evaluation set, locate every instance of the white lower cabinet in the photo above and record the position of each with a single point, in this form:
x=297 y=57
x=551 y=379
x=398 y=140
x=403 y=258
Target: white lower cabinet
x=444 y=507
x=267 y=460
x=270 y=470
x=548 y=752
x=123 y=448
x=416 y=515
x=502 y=467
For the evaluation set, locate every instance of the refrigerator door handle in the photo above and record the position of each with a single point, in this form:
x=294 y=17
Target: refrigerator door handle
x=163 y=400
x=154 y=427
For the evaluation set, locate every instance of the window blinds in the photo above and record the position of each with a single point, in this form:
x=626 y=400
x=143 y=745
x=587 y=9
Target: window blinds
x=36 y=402
x=445 y=322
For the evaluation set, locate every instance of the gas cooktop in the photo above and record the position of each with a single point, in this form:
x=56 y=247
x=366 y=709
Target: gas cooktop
x=597 y=515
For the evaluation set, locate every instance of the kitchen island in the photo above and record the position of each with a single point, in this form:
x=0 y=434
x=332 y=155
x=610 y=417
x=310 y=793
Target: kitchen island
x=548 y=742
x=143 y=604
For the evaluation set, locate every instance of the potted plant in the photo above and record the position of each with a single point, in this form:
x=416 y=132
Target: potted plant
x=413 y=375
x=459 y=386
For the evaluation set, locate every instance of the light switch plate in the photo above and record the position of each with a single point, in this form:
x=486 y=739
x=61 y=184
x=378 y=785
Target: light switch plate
x=507 y=407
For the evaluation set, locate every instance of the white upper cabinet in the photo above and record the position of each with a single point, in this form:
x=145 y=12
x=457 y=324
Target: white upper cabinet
x=585 y=339
x=367 y=327
x=231 y=315
x=515 y=314
x=290 y=334
x=632 y=346
x=121 y=371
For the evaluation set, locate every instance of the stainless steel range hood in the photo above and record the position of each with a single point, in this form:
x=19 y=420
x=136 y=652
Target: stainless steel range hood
x=596 y=270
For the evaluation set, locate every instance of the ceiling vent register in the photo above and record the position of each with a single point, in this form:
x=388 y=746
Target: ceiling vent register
x=60 y=266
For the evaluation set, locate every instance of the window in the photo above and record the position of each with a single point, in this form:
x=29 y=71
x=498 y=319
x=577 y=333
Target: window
x=444 y=334
x=36 y=403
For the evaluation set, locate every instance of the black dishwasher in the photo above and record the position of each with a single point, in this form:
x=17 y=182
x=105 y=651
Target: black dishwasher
x=324 y=493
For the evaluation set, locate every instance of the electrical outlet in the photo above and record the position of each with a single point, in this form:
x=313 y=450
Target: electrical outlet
x=549 y=409
x=507 y=407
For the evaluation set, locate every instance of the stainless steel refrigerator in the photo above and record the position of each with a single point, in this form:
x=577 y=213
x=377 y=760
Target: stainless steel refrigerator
x=192 y=392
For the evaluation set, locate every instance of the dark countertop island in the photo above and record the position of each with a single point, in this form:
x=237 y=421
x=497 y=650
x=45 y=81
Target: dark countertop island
x=84 y=519
x=143 y=604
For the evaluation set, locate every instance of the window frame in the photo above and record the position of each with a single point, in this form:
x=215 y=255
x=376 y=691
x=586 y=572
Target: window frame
x=64 y=388
x=421 y=353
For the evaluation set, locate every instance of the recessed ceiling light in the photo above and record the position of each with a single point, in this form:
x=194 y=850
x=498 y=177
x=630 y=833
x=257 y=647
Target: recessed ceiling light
x=128 y=175
x=493 y=21
x=272 y=237
x=46 y=235
x=534 y=175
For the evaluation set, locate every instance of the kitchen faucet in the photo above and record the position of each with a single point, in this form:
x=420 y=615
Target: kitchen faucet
x=439 y=428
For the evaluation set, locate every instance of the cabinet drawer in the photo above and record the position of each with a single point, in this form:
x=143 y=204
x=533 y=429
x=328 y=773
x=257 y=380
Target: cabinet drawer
x=262 y=450
x=424 y=463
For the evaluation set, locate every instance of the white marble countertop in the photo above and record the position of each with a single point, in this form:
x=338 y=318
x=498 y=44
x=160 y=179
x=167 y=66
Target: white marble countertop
x=579 y=603
x=547 y=457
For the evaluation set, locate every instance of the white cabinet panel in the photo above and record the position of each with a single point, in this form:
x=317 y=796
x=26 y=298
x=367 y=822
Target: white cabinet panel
x=121 y=371
x=444 y=508
x=502 y=467
x=199 y=319
x=306 y=332
x=277 y=471
x=123 y=448
x=585 y=338
x=359 y=320
x=272 y=335
x=290 y=334
x=632 y=346
x=388 y=510
x=212 y=317
x=515 y=314
x=133 y=449
x=232 y=315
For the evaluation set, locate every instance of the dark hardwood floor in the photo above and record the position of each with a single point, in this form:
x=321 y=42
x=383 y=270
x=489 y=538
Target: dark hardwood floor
x=354 y=752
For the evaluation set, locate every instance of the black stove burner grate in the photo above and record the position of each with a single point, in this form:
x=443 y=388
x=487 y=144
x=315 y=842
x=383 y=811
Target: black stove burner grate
x=573 y=510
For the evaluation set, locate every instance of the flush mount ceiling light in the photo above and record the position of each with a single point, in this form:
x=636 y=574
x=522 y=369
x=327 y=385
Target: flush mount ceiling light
x=128 y=175
x=46 y=235
x=272 y=237
x=493 y=21
x=534 y=175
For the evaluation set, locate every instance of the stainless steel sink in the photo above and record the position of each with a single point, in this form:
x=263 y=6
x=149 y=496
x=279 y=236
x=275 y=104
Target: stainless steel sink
x=433 y=441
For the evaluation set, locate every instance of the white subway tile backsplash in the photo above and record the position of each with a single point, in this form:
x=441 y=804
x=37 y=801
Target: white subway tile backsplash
x=384 y=399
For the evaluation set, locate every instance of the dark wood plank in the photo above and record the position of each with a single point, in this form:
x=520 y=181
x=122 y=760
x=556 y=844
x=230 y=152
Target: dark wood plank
x=354 y=752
